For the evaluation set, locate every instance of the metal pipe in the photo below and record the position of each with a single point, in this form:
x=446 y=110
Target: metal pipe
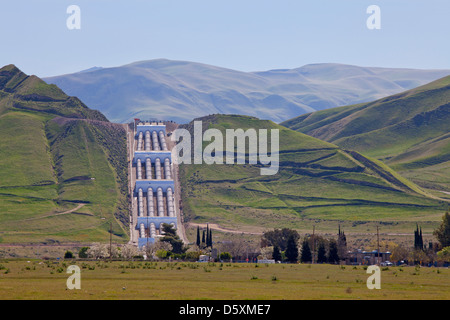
x=142 y=230
x=155 y=141
x=158 y=169
x=147 y=140
x=160 y=202
x=170 y=208
x=148 y=168
x=139 y=169
x=140 y=203
x=152 y=230
x=139 y=145
x=167 y=171
x=162 y=140
x=150 y=203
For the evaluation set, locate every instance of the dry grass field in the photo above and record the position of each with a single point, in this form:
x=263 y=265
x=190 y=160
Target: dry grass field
x=37 y=279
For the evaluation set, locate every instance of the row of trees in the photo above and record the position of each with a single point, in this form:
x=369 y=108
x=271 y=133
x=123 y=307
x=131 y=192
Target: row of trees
x=169 y=245
x=421 y=253
x=278 y=244
x=318 y=249
x=206 y=240
x=313 y=248
x=443 y=232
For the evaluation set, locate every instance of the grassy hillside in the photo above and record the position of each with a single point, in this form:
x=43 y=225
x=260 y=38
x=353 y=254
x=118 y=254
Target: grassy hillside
x=63 y=172
x=182 y=90
x=408 y=131
x=317 y=183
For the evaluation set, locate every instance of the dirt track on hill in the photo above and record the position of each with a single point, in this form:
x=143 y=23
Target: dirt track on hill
x=218 y=228
x=80 y=205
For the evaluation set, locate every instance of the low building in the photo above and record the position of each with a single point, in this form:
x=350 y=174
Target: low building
x=360 y=257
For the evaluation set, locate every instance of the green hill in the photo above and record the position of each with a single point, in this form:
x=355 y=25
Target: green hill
x=407 y=131
x=317 y=183
x=63 y=172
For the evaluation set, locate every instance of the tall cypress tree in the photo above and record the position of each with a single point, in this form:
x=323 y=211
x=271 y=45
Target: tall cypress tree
x=418 y=239
x=333 y=256
x=203 y=238
x=210 y=238
x=276 y=255
x=306 y=252
x=421 y=239
x=342 y=244
x=198 y=236
x=292 y=250
x=321 y=253
x=415 y=237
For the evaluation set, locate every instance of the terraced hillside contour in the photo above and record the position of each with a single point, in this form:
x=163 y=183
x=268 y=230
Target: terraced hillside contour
x=63 y=166
x=409 y=131
x=318 y=183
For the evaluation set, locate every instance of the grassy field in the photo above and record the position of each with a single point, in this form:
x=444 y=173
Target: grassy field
x=197 y=281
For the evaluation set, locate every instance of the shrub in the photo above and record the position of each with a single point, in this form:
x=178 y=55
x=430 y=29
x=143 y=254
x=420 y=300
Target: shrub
x=225 y=256
x=162 y=254
x=83 y=252
x=192 y=256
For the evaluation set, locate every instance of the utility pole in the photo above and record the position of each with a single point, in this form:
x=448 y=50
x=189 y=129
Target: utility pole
x=110 y=241
x=378 y=244
x=313 y=245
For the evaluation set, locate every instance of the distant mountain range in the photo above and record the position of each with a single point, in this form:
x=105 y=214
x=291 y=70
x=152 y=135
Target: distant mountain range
x=182 y=91
x=409 y=131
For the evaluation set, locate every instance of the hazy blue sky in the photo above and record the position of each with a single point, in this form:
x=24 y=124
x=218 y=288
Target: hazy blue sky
x=247 y=35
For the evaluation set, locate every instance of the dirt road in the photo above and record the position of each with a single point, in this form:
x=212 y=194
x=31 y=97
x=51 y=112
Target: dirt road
x=80 y=205
x=218 y=228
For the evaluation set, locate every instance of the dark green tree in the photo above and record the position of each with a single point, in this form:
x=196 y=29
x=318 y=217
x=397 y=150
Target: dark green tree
x=418 y=239
x=342 y=244
x=279 y=238
x=321 y=253
x=292 y=249
x=225 y=256
x=68 y=255
x=170 y=236
x=203 y=239
x=198 y=236
x=443 y=232
x=83 y=253
x=333 y=256
x=421 y=239
x=209 y=244
x=306 y=255
x=276 y=255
